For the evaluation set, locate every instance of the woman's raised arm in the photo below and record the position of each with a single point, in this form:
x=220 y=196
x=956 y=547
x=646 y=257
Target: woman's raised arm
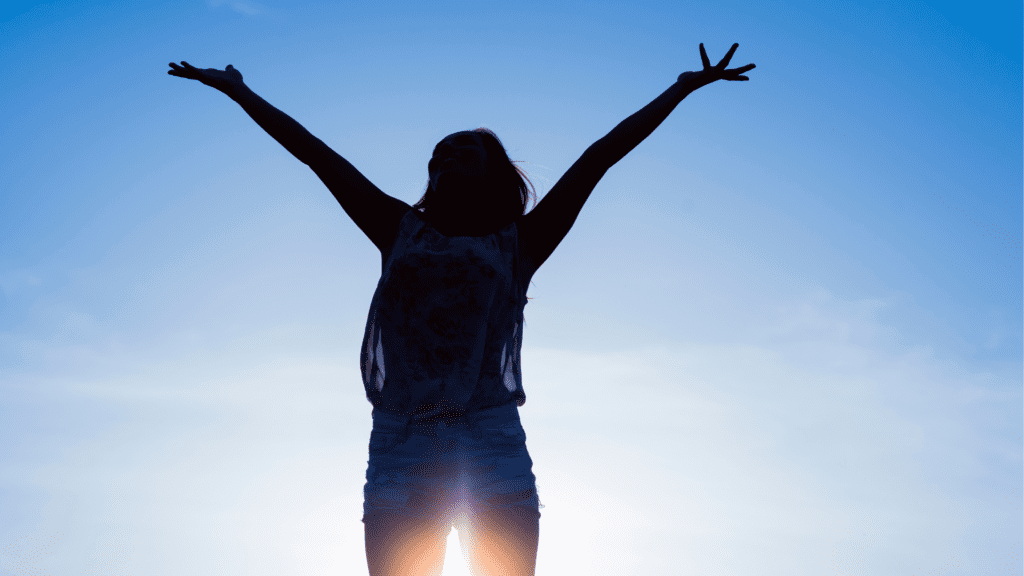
x=373 y=211
x=542 y=229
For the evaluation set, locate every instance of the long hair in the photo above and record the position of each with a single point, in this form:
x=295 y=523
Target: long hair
x=508 y=180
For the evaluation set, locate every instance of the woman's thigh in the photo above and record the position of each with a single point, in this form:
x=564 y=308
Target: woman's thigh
x=499 y=532
x=501 y=541
x=398 y=544
x=407 y=502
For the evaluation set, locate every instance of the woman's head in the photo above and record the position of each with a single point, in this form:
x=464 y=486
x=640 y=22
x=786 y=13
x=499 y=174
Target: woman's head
x=471 y=173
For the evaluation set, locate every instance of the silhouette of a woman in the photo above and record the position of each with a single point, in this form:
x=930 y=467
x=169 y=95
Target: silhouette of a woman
x=440 y=354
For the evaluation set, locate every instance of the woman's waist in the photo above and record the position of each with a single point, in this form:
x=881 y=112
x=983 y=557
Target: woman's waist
x=384 y=420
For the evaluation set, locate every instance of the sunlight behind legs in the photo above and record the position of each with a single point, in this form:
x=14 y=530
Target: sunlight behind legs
x=454 y=562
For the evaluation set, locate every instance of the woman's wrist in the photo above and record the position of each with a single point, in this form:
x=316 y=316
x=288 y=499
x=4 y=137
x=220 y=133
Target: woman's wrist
x=683 y=87
x=690 y=81
x=237 y=91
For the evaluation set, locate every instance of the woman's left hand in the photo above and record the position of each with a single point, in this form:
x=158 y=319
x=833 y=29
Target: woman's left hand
x=227 y=80
x=712 y=73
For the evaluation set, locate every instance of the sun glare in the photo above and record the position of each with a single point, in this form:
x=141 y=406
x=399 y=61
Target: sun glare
x=454 y=561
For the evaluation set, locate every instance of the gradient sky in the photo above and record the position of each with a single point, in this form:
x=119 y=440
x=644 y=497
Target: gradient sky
x=784 y=336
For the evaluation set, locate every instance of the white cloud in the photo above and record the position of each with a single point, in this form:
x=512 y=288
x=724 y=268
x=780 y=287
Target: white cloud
x=818 y=442
x=778 y=456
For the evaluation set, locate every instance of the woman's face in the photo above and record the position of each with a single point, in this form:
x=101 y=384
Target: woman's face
x=459 y=164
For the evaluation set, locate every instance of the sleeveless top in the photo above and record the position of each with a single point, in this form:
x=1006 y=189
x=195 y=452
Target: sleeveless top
x=444 y=332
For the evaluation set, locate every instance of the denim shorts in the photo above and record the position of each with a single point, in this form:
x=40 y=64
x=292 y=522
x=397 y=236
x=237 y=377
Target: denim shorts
x=447 y=469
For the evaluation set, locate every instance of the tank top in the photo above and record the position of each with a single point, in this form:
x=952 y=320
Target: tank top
x=444 y=333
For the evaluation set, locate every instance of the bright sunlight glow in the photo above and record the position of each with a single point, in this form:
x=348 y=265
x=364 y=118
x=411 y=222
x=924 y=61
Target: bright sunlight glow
x=454 y=561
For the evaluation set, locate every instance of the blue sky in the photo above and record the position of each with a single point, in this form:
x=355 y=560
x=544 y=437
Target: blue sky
x=783 y=337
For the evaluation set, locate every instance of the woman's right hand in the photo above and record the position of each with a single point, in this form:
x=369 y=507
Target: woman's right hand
x=714 y=73
x=224 y=80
